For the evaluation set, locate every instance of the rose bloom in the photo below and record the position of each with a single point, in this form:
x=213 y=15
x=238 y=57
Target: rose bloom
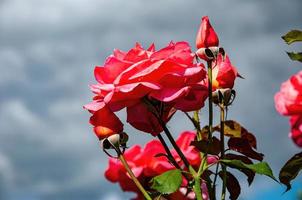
x=296 y=129
x=288 y=100
x=224 y=73
x=146 y=165
x=167 y=78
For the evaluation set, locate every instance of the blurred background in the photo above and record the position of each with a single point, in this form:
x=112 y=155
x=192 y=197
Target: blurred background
x=48 y=50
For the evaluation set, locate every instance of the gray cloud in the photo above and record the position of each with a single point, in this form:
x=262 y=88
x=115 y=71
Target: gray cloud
x=48 y=50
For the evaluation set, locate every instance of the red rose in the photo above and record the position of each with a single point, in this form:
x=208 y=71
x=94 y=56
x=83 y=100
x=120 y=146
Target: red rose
x=146 y=165
x=288 y=100
x=169 y=75
x=105 y=123
x=224 y=73
x=206 y=35
x=296 y=129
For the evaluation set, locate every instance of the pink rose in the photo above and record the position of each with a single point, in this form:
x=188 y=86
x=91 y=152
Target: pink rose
x=169 y=75
x=288 y=100
x=224 y=73
x=296 y=129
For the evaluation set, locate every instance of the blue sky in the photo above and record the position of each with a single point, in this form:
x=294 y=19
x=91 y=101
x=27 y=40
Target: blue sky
x=48 y=50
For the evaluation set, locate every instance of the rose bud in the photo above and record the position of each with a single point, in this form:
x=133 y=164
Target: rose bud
x=207 y=41
x=105 y=123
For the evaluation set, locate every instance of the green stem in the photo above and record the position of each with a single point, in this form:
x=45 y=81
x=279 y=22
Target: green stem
x=210 y=92
x=210 y=101
x=137 y=183
x=222 y=149
x=213 y=191
x=197 y=124
x=197 y=188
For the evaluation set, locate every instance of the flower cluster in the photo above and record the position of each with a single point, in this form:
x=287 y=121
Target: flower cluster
x=288 y=102
x=168 y=79
x=147 y=163
x=152 y=85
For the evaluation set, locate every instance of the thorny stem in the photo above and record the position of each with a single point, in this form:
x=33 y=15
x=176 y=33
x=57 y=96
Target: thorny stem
x=210 y=90
x=204 y=159
x=214 y=182
x=197 y=124
x=222 y=148
x=170 y=156
x=197 y=188
x=158 y=114
x=177 y=149
x=137 y=183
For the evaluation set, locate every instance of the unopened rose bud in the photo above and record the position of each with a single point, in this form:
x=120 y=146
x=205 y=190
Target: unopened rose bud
x=207 y=41
x=206 y=35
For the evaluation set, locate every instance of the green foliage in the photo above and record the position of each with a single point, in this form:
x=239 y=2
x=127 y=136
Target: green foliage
x=290 y=170
x=249 y=173
x=295 y=56
x=167 y=182
x=292 y=36
x=259 y=168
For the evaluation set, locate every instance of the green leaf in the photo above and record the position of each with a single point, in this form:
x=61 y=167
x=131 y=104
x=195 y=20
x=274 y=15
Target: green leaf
x=249 y=173
x=292 y=36
x=295 y=56
x=260 y=168
x=167 y=182
x=290 y=170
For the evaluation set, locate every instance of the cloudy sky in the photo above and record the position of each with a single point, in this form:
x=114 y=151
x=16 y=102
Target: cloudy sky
x=48 y=50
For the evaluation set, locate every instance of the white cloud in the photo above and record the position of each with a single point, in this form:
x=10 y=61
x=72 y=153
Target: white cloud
x=49 y=49
x=14 y=114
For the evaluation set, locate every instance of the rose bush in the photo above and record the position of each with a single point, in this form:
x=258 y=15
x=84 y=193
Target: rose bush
x=152 y=85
